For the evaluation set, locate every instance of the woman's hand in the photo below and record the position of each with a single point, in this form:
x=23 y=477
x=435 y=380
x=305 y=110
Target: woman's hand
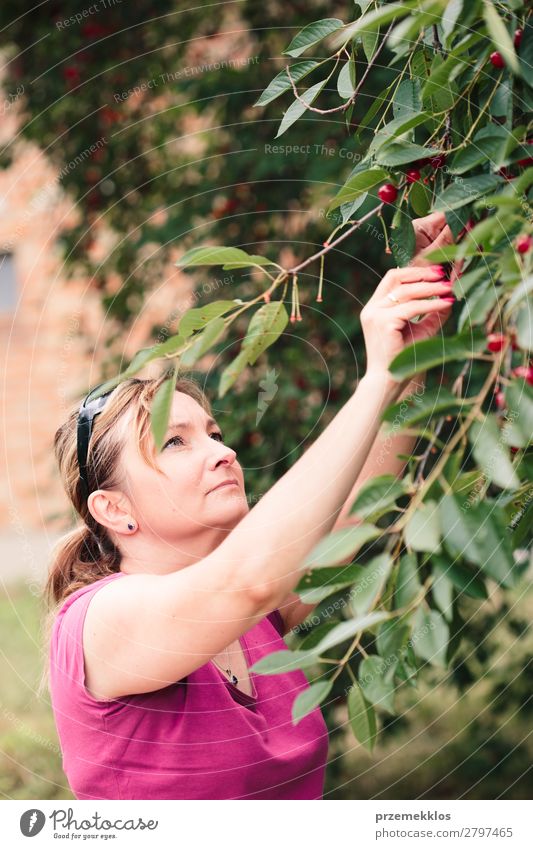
x=385 y=321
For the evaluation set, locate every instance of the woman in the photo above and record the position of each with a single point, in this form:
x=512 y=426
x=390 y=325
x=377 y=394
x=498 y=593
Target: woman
x=173 y=587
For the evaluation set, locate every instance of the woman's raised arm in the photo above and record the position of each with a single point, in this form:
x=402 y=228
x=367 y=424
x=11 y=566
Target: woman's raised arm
x=146 y=631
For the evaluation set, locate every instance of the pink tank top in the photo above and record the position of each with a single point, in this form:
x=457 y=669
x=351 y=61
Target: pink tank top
x=199 y=738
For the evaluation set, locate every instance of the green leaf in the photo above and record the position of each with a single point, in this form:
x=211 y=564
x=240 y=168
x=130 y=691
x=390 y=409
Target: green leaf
x=362 y=717
x=369 y=40
x=461 y=576
x=467 y=190
x=357 y=185
x=198 y=317
x=297 y=107
x=430 y=636
x=373 y=21
x=422 y=531
x=523 y=290
x=466 y=281
x=422 y=16
x=312 y=34
x=203 y=341
x=216 y=255
x=518 y=427
x=324 y=581
x=422 y=408
x=420 y=198
x=477 y=532
x=403 y=152
x=407 y=99
x=435 y=351
x=442 y=592
x=348 y=209
x=346 y=80
x=308 y=699
x=391 y=640
x=312 y=639
x=340 y=545
x=231 y=373
x=488 y=145
x=450 y=16
x=500 y=36
x=348 y=629
x=526 y=53
x=524 y=328
x=477 y=305
x=171 y=346
x=377 y=496
x=284 y=661
x=377 y=689
x=489 y=453
x=267 y=325
x=368 y=587
x=441 y=75
x=403 y=240
x=407 y=583
x=160 y=409
x=396 y=128
x=281 y=83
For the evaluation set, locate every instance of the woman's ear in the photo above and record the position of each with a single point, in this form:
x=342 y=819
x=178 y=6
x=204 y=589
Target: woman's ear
x=111 y=509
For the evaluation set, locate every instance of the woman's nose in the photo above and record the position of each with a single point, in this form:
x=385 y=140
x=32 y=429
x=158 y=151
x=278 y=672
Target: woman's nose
x=226 y=454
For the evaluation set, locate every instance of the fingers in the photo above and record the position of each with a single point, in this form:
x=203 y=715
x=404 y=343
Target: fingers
x=445 y=237
x=421 y=290
x=421 y=307
x=411 y=274
x=434 y=220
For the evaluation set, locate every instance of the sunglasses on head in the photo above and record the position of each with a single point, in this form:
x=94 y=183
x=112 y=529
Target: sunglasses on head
x=89 y=409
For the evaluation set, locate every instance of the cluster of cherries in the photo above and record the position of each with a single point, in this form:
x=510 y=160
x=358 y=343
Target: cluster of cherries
x=388 y=192
x=497 y=59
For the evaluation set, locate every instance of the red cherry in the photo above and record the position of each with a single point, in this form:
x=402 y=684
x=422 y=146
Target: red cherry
x=518 y=33
x=438 y=161
x=495 y=342
x=523 y=244
x=499 y=397
x=413 y=175
x=496 y=59
x=71 y=73
x=524 y=371
x=388 y=193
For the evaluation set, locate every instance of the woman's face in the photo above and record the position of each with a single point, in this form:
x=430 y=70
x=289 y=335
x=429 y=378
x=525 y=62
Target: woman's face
x=181 y=505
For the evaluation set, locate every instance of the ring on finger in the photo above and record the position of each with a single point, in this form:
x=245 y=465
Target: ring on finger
x=393 y=298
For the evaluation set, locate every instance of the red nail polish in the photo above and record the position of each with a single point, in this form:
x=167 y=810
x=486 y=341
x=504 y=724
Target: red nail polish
x=448 y=299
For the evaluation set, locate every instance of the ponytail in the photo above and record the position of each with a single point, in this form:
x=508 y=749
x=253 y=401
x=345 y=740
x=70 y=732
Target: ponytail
x=80 y=557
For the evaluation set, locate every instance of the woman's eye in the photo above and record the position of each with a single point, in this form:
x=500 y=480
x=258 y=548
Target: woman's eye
x=172 y=441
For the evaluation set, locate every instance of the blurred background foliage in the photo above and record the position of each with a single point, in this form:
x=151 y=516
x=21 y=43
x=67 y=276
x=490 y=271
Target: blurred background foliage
x=184 y=163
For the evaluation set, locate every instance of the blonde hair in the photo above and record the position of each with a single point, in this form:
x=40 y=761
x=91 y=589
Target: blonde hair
x=87 y=553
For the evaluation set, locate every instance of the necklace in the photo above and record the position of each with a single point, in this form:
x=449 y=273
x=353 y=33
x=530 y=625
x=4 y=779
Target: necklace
x=233 y=677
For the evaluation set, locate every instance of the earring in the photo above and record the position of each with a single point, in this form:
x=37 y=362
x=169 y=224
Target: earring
x=131 y=526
